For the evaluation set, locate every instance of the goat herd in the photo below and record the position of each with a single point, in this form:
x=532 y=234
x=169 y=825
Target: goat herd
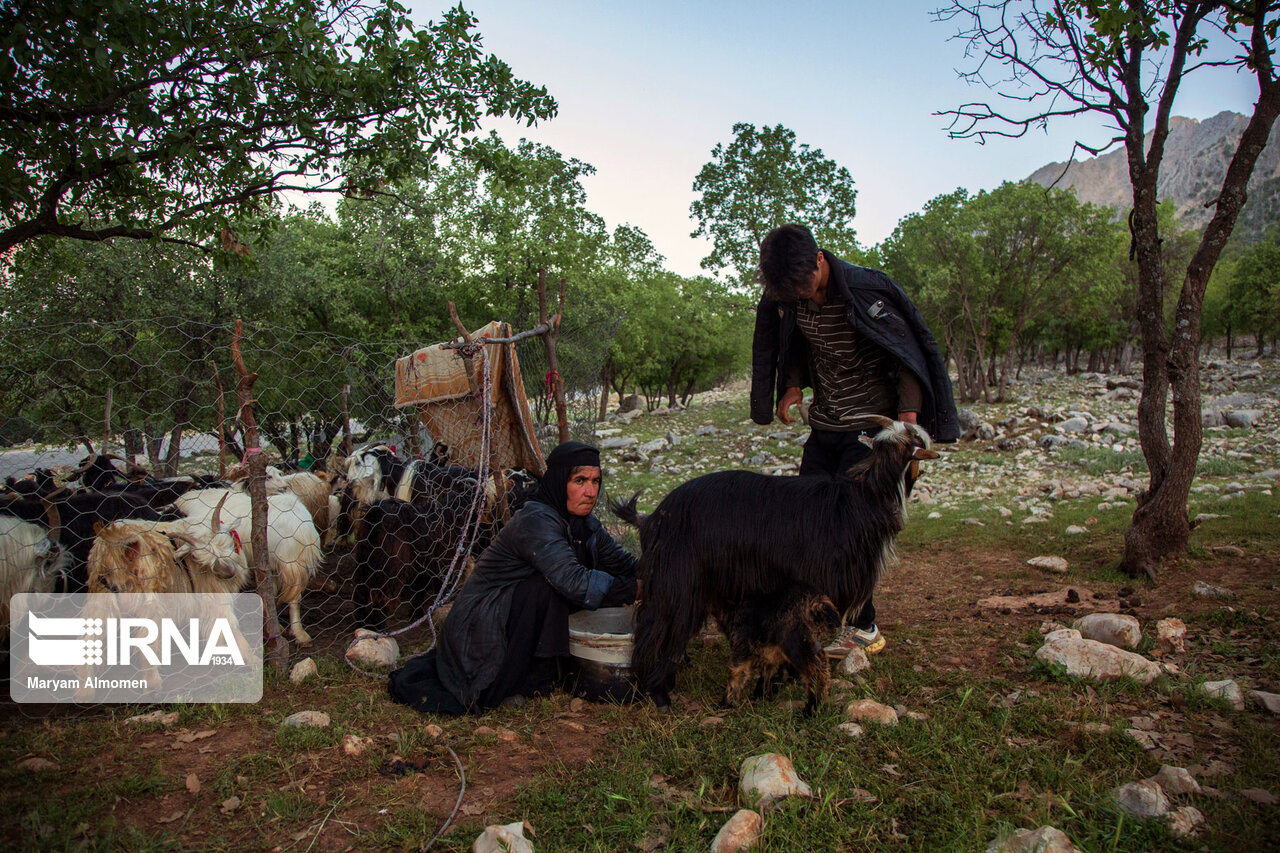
x=109 y=530
x=774 y=560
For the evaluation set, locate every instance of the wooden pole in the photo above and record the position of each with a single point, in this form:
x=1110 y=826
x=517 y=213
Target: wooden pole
x=276 y=646
x=553 y=362
x=222 y=421
x=347 y=442
x=499 y=480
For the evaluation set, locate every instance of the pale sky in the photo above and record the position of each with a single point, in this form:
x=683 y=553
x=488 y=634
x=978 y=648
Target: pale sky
x=646 y=89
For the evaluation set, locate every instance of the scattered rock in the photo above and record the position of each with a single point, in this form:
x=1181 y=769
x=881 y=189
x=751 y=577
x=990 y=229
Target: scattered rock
x=651 y=447
x=1259 y=795
x=504 y=839
x=1092 y=659
x=619 y=442
x=1225 y=689
x=854 y=662
x=1204 y=590
x=769 y=777
x=1242 y=418
x=1046 y=839
x=37 y=764
x=853 y=730
x=1176 y=781
x=1114 y=629
x=1170 y=636
x=229 y=805
x=1184 y=821
x=1142 y=799
x=164 y=718
x=317 y=719
x=1270 y=701
x=371 y=649
x=302 y=670
x=739 y=832
x=355 y=746
x=1074 y=530
x=1049 y=564
x=1076 y=424
x=865 y=710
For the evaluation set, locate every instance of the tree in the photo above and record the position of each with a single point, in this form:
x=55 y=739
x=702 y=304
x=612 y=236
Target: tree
x=174 y=120
x=1125 y=60
x=1253 y=290
x=763 y=180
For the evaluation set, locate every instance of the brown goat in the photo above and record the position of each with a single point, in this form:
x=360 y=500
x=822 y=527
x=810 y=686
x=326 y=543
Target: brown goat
x=769 y=632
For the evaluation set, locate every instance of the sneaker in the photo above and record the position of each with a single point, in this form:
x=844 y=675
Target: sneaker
x=851 y=638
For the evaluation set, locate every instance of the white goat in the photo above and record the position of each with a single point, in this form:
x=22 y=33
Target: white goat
x=293 y=544
x=30 y=561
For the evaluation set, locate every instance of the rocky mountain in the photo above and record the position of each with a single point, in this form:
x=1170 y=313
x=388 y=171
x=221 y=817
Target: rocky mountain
x=1195 y=161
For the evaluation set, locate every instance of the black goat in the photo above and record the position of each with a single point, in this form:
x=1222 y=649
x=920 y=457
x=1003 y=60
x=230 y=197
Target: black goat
x=402 y=545
x=722 y=539
x=772 y=632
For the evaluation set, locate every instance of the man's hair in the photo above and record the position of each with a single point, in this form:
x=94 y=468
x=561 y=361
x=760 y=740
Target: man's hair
x=788 y=257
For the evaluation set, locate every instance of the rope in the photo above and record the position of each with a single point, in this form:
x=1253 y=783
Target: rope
x=470 y=530
x=461 y=790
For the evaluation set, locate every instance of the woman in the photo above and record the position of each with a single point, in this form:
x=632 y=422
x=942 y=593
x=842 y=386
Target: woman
x=510 y=623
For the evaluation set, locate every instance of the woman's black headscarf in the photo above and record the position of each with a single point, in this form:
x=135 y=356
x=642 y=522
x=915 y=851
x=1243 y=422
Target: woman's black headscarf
x=552 y=490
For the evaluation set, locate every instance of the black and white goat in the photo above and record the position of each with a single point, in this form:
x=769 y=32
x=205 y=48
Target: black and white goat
x=722 y=539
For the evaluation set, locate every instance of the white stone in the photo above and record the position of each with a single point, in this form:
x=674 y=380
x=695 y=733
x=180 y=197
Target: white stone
x=1170 y=636
x=864 y=710
x=503 y=839
x=1184 y=821
x=769 y=777
x=1114 y=629
x=739 y=832
x=1270 y=701
x=1049 y=564
x=1090 y=658
x=1225 y=689
x=1142 y=799
x=1204 y=590
x=355 y=746
x=854 y=662
x=373 y=650
x=853 y=730
x=302 y=670
x=1176 y=781
x=1075 y=530
x=650 y=447
x=1046 y=839
x=619 y=442
x=302 y=719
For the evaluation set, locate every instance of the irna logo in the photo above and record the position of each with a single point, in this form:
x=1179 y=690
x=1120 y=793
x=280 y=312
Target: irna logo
x=61 y=641
x=98 y=647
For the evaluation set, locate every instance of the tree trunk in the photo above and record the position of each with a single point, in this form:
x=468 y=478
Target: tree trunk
x=173 y=453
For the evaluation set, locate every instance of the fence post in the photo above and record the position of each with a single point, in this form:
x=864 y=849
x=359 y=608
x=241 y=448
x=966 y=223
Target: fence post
x=276 y=647
x=553 y=361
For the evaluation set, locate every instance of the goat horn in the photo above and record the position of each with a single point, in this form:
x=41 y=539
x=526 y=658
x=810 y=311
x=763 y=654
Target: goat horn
x=216 y=521
x=84 y=467
x=55 y=520
x=887 y=423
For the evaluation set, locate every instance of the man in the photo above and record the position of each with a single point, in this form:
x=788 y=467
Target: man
x=508 y=629
x=852 y=335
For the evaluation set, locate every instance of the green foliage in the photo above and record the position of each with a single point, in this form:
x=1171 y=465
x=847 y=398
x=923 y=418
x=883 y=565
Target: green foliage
x=127 y=119
x=1253 y=292
x=994 y=271
x=761 y=180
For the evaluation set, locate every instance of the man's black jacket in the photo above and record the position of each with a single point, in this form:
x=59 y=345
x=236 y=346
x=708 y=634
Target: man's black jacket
x=879 y=310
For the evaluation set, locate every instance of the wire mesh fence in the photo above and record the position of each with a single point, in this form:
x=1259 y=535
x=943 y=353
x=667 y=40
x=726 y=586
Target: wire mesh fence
x=122 y=450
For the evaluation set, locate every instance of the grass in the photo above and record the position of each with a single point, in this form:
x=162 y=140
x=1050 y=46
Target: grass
x=1005 y=742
